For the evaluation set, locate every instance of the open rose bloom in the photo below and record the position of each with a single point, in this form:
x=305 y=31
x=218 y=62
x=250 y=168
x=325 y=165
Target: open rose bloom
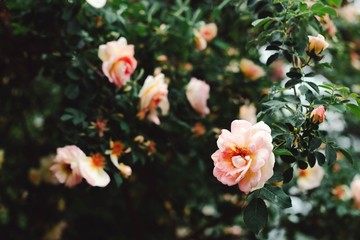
x=244 y=156
x=197 y=92
x=72 y=165
x=153 y=95
x=118 y=61
x=66 y=167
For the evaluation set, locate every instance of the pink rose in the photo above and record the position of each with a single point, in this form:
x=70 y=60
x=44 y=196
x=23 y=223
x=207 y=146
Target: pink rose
x=318 y=115
x=118 y=61
x=251 y=70
x=208 y=31
x=197 y=92
x=244 y=156
x=66 y=167
x=310 y=178
x=153 y=95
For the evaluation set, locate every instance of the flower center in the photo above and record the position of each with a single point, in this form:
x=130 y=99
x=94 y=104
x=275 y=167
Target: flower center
x=241 y=157
x=66 y=168
x=98 y=160
x=303 y=173
x=117 y=148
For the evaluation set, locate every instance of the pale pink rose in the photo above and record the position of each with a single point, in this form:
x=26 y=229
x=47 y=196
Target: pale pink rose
x=329 y=25
x=317 y=44
x=66 y=167
x=197 y=92
x=96 y=3
x=310 y=178
x=200 y=41
x=118 y=61
x=208 y=31
x=355 y=190
x=349 y=13
x=248 y=113
x=153 y=95
x=251 y=70
x=92 y=169
x=244 y=156
x=318 y=114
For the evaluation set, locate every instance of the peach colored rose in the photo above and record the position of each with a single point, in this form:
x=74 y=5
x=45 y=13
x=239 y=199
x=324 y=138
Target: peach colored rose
x=310 y=178
x=316 y=44
x=66 y=167
x=355 y=190
x=118 y=61
x=200 y=41
x=244 y=156
x=208 y=31
x=153 y=95
x=251 y=70
x=318 y=115
x=248 y=113
x=197 y=92
x=92 y=169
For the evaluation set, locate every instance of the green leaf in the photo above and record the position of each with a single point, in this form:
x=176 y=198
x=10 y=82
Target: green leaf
x=272 y=58
x=338 y=108
x=259 y=22
x=311 y=159
x=275 y=195
x=330 y=153
x=256 y=215
x=337 y=3
x=288 y=175
x=302 y=164
x=346 y=154
x=313 y=86
x=320 y=158
x=288 y=158
x=292 y=82
x=283 y=152
x=315 y=143
x=354 y=109
x=72 y=91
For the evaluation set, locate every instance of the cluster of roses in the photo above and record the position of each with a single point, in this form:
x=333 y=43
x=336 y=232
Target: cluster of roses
x=118 y=64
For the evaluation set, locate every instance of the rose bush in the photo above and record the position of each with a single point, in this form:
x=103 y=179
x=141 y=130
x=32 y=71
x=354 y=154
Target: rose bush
x=113 y=100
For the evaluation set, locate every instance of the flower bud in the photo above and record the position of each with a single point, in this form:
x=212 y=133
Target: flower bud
x=318 y=114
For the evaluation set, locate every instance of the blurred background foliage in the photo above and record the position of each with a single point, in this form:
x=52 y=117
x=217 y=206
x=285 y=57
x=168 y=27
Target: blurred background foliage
x=52 y=89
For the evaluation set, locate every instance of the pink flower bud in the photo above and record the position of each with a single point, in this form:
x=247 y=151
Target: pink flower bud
x=318 y=114
x=317 y=44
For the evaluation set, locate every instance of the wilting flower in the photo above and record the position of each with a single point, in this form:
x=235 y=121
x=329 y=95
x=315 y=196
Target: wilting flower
x=197 y=92
x=251 y=70
x=200 y=41
x=153 y=95
x=316 y=44
x=208 y=31
x=318 y=115
x=92 y=169
x=125 y=170
x=96 y=3
x=199 y=129
x=244 y=156
x=310 y=178
x=248 y=113
x=66 y=167
x=355 y=190
x=118 y=61
x=116 y=150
